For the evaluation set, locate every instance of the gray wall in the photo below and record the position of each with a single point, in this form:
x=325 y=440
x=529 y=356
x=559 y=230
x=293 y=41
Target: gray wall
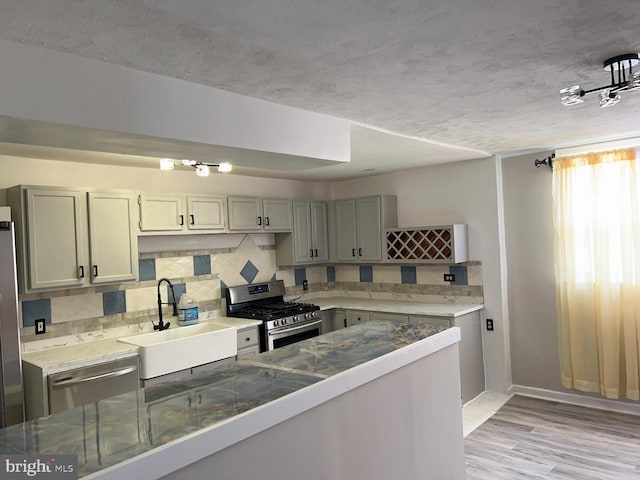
x=530 y=267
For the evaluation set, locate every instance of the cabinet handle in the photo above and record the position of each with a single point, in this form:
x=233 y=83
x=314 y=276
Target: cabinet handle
x=315 y=251
x=360 y=252
x=81 y=271
x=259 y=220
x=353 y=252
x=266 y=221
x=95 y=270
x=193 y=220
x=248 y=339
x=311 y=252
x=181 y=219
x=345 y=323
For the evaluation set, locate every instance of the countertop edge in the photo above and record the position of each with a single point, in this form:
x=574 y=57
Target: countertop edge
x=203 y=443
x=397 y=306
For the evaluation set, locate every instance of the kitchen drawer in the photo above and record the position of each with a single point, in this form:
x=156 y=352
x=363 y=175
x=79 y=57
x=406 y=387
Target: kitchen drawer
x=247 y=337
x=248 y=352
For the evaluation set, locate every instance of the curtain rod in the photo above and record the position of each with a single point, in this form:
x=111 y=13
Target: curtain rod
x=545 y=161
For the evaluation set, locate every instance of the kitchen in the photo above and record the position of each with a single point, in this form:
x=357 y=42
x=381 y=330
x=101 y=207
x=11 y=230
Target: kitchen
x=497 y=198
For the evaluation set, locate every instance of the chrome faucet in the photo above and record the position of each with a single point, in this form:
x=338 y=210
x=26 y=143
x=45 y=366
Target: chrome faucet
x=161 y=325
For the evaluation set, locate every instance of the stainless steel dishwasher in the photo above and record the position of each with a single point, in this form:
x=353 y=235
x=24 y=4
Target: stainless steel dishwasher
x=72 y=388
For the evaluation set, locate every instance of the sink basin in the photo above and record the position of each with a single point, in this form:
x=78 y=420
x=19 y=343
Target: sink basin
x=179 y=348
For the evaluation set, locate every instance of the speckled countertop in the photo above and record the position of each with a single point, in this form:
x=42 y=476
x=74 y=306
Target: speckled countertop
x=82 y=354
x=108 y=432
x=395 y=306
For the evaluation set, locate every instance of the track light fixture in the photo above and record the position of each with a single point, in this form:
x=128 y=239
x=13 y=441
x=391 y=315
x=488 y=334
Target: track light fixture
x=623 y=79
x=202 y=169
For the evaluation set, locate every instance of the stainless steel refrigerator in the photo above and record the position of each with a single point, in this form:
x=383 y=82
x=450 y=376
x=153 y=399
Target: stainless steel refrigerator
x=11 y=393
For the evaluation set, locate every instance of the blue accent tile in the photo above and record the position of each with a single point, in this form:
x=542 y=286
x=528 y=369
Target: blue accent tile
x=147 y=269
x=202 y=264
x=33 y=310
x=408 y=274
x=178 y=289
x=461 y=275
x=114 y=302
x=366 y=273
x=300 y=275
x=249 y=271
x=223 y=289
x=331 y=273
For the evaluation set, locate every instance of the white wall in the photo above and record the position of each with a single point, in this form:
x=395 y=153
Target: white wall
x=16 y=171
x=462 y=192
x=49 y=86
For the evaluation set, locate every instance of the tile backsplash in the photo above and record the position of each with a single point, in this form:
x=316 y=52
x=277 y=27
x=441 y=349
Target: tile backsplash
x=205 y=274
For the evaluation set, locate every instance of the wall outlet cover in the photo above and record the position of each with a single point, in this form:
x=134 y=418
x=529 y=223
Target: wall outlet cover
x=490 y=324
x=305 y=285
x=449 y=277
x=40 y=326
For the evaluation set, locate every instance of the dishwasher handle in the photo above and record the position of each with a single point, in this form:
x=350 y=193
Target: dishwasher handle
x=78 y=381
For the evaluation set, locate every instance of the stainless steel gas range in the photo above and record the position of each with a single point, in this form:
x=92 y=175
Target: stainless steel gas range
x=283 y=323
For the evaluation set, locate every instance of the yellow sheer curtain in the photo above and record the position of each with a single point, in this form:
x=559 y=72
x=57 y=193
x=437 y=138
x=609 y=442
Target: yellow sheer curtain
x=596 y=217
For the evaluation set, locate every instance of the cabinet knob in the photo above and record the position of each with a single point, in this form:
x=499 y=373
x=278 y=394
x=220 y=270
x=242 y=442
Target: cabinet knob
x=259 y=220
x=95 y=270
x=81 y=271
x=360 y=252
x=353 y=252
x=193 y=220
x=266 y=221
x=181 y=219
x=311 y=252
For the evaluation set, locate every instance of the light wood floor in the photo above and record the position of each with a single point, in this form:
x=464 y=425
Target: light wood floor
x=538 y=439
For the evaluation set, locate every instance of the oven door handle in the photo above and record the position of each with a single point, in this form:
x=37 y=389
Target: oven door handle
x=294 y=329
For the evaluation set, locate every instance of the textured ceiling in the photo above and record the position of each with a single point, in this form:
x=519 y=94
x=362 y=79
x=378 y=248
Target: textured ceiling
x=481 y=74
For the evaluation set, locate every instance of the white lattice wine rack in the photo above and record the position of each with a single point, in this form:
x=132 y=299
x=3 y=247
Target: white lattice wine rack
x=438 y=244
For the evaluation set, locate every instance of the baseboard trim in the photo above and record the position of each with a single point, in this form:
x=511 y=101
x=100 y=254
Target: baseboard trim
x=576 y=399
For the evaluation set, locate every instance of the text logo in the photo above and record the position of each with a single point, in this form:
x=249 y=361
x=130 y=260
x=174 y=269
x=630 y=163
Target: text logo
x=50 y=467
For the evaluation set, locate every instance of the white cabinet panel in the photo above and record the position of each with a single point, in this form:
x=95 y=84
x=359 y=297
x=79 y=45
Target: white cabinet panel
x=308 y=242
x=277 y=214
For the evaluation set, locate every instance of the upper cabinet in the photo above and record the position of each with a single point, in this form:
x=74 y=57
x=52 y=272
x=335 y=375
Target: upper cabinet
x=358 y=226
x=308 y=242
x=180 y=213
x=73 y=238
x=256 y=214
x=437 y=244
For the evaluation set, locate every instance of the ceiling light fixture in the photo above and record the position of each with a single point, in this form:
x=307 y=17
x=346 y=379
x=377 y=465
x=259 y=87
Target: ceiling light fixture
x=623 y=79
x=202 y=169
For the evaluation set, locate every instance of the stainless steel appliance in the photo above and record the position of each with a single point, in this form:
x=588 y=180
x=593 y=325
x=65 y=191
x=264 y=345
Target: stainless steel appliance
x=11 y=392
x=72 y=388
x=284 y=323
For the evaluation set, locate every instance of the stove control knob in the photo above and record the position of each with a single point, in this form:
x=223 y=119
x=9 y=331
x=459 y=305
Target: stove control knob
x=275 y=323
x=295 y=318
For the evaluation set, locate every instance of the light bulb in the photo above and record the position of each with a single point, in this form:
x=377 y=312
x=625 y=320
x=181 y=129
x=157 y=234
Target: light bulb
x=225 y=167
x=571 y=96
x=202 y=170
x=608 y=98
x=166 y=164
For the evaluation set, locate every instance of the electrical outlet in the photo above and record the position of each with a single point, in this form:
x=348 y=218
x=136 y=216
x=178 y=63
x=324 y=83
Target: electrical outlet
x=40 y=326
x=449 y=277
x=490 y=324
x=305 y=285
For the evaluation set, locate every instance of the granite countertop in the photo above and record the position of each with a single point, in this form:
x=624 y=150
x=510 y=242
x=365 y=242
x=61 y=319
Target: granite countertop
x=82 y=354
x=110 y=431
x=395 y=306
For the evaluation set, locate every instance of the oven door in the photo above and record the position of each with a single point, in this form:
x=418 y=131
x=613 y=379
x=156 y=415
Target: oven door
x=287 y=336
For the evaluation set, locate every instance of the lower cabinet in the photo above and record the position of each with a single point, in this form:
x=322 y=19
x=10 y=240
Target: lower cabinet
x=248 y=342
x=470 y=346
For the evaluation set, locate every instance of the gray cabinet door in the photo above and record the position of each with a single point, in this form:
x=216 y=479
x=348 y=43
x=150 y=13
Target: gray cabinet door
x=245 y=213
x=319 y=237
x=346 y=239
x=161 y=212
x=277 y=214
x=302 y=248
x=205 y=213
x=369 y=229
x=57 y=243
x=113 y=243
